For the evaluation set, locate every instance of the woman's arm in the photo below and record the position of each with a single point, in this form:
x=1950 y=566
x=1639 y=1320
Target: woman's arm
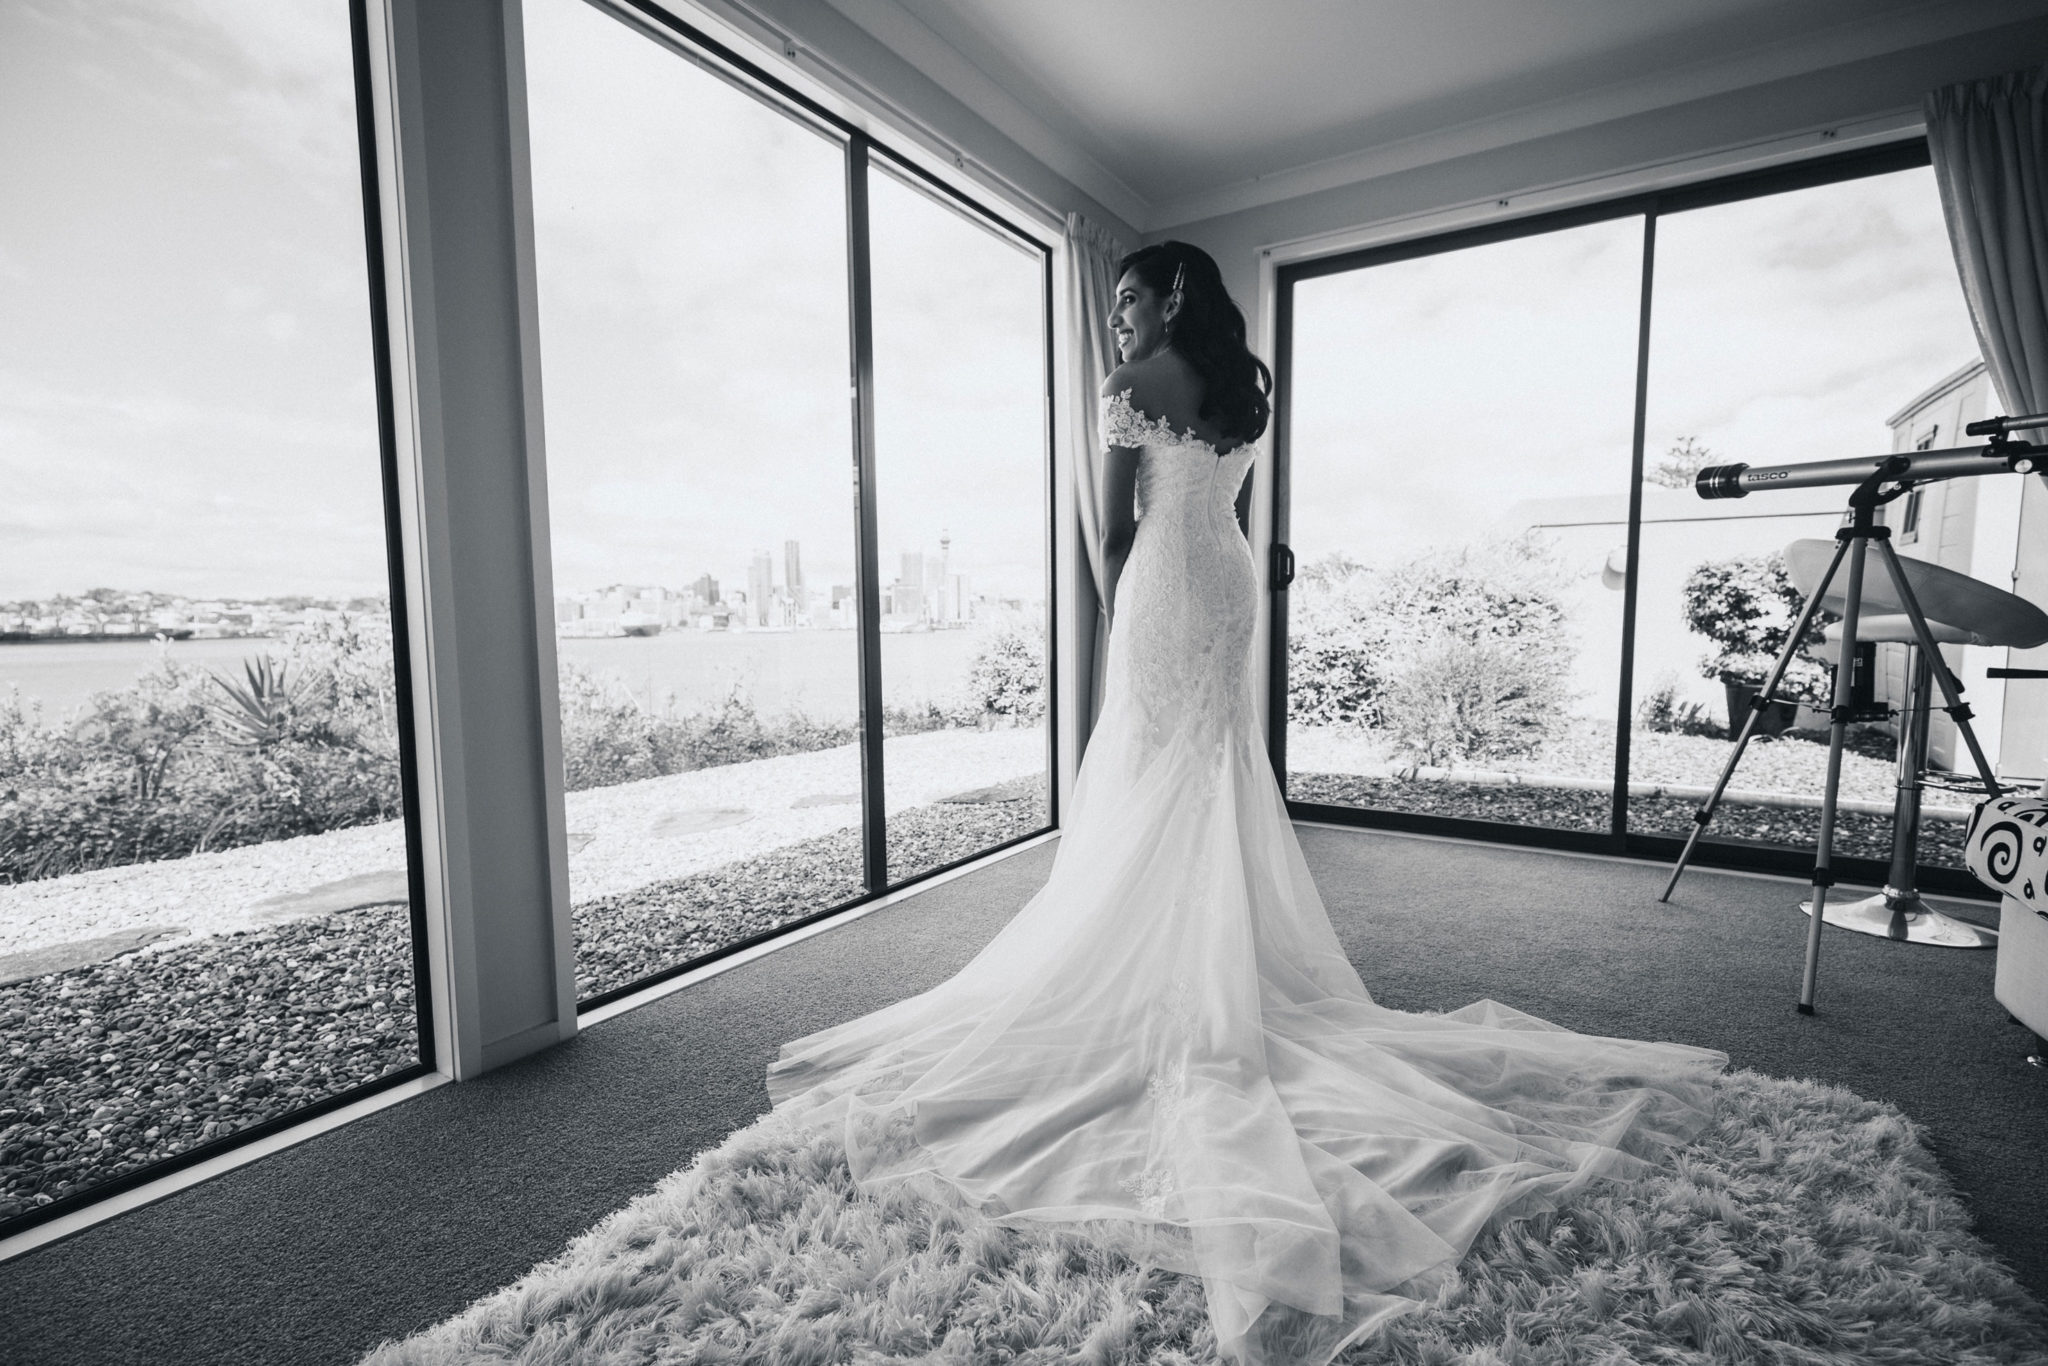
x=1119 y=519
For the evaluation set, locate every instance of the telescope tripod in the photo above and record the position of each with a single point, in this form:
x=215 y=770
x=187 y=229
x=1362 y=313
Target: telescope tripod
x=1852 y=543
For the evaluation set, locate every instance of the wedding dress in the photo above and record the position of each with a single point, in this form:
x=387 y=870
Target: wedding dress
x=1167 y=1050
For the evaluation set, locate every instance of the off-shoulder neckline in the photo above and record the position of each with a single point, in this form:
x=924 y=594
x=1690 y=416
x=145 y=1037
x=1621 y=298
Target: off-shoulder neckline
x=1160 y=426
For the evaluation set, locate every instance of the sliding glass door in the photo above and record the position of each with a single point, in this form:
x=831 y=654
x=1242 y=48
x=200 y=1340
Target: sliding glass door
x=208 y=885
x=1795 y=326
x=797 y=444
x=690 y=247
x=960 y=434
x=1458 y=433
x=1509 y=598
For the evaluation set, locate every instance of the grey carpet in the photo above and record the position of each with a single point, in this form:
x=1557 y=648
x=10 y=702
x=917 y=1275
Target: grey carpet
x=384 y=1226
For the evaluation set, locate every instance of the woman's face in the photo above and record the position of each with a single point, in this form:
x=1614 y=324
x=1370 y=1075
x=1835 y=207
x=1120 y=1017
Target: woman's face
x=1138 y=318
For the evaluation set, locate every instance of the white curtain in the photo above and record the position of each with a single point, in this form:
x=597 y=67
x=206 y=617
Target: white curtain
x=1989 y=142
x=1092 y=255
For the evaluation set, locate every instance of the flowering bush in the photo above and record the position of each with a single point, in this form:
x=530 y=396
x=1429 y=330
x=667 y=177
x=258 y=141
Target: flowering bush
x=1007 y=676
x=1456 y=654
x=1746 y=607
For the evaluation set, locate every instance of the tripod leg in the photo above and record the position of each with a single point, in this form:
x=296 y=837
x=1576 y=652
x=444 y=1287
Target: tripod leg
x=1944 y=678
x=1900 y=892
x=1838 y=733
x=1768 y=690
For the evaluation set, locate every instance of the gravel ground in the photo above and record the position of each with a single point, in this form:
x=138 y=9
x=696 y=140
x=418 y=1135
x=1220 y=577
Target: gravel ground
x=622 y=938
x=112 y=1066
x=1782 y=764
x=1863 y=836
x=624 y=836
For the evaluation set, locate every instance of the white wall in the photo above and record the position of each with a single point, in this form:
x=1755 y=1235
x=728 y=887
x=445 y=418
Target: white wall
x=812 y=44
x=1762 y=114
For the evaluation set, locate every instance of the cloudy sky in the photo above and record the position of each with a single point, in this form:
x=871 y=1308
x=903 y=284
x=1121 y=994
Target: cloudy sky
x=186 y=400
x=185 y=387
x=185 y=392
x=691 y=253
x=1433 y=394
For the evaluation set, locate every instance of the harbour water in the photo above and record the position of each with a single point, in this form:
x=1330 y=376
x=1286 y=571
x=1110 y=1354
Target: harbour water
x=782 y=671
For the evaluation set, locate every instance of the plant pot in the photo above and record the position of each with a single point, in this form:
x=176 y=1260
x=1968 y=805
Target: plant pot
x=1776 y=718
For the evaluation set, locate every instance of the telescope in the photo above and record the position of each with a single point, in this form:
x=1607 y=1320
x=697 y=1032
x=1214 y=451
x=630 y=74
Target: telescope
x=2000 y=455
x=1894 y=615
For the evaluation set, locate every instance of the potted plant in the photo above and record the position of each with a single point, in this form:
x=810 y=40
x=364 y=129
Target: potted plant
x=1746 y=607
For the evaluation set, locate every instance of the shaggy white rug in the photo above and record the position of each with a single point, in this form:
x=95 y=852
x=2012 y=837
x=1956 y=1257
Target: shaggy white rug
x=1807 y=1226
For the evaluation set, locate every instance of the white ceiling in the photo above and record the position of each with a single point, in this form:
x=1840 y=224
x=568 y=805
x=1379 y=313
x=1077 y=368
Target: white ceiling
x=1172 y=110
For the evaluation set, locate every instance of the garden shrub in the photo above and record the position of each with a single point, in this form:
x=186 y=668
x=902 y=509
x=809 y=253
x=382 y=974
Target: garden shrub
x=1454 y=655
x=1746 y=607
x=1338 y=645
x=1007 y=677
x=1661 y=711
x=305 y=740
x=1459 y=696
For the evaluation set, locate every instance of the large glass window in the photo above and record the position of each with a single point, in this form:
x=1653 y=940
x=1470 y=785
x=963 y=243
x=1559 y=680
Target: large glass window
x=691 y=249
x=960 y=430
x=696 y=264
x=1460 y=440
x=1790 y=327
x=205 y=923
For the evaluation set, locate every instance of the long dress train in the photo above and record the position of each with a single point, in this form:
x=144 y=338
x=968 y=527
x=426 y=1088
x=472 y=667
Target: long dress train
x=1166 y=1048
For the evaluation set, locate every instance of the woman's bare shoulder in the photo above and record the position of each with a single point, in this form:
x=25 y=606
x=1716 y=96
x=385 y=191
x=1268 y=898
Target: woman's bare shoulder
x=1161 y=386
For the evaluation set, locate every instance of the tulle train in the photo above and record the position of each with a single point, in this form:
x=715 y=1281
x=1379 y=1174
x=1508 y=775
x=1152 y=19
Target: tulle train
x=1168 y=1050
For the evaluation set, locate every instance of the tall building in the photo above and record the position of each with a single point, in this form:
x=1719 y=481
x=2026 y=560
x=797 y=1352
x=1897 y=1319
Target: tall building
x=706 y=589
x=793 y=572
x=904 y=599
x=760 y=588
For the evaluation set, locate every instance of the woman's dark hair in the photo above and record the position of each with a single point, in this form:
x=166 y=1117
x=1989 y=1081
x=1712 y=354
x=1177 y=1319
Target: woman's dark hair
x=1209 y=333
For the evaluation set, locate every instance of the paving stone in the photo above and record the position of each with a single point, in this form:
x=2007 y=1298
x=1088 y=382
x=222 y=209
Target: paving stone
x=382 y=888
x=20 y=967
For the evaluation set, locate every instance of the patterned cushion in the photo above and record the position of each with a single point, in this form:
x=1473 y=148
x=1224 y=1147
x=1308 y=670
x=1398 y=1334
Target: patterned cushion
x=2006 y=848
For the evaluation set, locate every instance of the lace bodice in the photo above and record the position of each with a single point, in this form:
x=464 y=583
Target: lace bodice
x=1158 y=475
x=1180 y=645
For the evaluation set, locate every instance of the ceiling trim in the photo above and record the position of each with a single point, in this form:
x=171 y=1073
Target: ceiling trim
x=1671 y=174
x=1063 y=151
x=986 y=82
x=1836 y=45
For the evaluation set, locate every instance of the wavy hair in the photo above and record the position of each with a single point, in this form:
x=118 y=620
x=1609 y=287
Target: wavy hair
x=1209 y=333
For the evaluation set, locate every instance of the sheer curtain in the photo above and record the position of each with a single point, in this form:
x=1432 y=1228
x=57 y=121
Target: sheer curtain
x=1092 y=255
x=1989 y=142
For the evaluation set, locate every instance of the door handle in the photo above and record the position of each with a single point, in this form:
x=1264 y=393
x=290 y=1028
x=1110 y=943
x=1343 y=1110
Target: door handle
x=1283 y=565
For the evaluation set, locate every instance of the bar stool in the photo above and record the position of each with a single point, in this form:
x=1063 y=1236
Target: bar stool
x=1960 y=610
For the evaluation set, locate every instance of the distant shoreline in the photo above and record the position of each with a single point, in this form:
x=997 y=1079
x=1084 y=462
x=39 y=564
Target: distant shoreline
x=102 y=637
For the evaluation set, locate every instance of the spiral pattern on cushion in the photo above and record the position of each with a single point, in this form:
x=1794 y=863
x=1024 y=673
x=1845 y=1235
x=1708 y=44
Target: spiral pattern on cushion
x=2006 y=848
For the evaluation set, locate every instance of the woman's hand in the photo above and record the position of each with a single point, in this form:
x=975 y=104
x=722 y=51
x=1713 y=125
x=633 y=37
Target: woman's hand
x=1112 y=574
x=1119 y=519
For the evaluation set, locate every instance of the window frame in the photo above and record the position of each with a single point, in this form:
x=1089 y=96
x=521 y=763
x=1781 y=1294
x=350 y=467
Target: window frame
x=1618 y=840
x=862 y=150
x=389 y=491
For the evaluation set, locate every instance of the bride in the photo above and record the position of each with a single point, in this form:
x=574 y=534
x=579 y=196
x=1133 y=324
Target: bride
x=1166 y=1050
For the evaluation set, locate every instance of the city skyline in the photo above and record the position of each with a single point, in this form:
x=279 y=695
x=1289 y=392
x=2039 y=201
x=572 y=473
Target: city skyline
x=187 y=397
x=925 y=589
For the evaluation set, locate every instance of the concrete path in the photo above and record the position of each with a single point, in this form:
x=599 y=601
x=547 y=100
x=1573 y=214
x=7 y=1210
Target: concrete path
x=620 y=838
